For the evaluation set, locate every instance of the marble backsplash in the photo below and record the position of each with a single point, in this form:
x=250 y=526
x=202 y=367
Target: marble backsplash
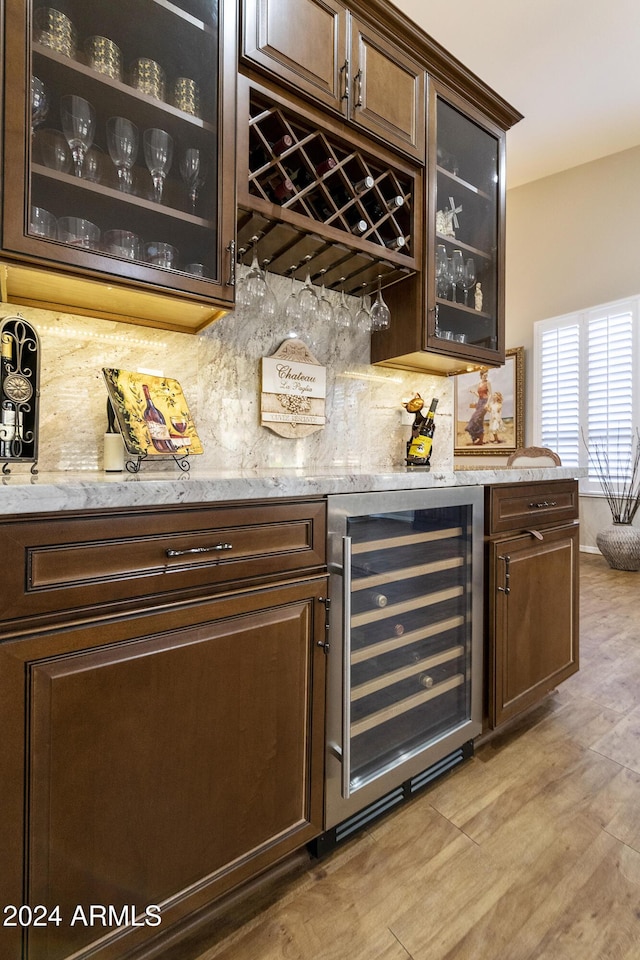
x=219 y=371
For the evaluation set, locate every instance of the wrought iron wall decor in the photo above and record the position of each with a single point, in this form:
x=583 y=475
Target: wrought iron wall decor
x=19 y=393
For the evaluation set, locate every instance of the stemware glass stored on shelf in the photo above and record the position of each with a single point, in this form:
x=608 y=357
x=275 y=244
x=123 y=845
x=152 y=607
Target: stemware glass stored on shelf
x=158 y=155
x=324 y=307
x=53 y=149
x=442 y=270
x=456 y=271
x=39 y=102
x=308 y=299
x=363 y=320
x=253 y=293
x=78 y=125
x=122 y=142
x=380 y=313
x=466 y=280
x=193 y=173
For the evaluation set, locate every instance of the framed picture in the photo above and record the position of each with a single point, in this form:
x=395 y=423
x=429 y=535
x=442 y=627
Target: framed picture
x=489 y=408
x=152 y=414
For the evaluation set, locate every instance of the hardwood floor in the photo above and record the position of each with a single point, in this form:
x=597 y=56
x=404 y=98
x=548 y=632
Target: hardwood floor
x=529 y=850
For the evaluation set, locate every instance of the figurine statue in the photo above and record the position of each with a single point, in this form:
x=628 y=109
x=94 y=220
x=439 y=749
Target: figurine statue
x=478 y=296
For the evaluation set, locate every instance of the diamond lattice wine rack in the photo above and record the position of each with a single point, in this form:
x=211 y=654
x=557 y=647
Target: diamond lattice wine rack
x=317 y=198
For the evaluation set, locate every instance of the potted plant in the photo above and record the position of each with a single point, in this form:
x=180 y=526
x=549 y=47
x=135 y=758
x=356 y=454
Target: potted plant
x=620 y=481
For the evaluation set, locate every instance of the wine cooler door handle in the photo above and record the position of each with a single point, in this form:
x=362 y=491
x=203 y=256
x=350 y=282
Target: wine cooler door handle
x=216 y=548
x=535 y=533
x=346 y=667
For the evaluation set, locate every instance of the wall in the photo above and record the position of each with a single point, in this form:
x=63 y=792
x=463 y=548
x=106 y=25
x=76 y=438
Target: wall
x=573 y=241
x=219 y=371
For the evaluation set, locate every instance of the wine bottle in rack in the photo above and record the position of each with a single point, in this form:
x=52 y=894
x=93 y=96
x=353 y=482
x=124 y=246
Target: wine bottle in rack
x=377 y=599
x=279 y=188
x=6 y=356
x=156 y=424
x=419 y=454
x=357 y=224
x=363 y=185
x=325 y=166
x=396 y=243
x=376 y=211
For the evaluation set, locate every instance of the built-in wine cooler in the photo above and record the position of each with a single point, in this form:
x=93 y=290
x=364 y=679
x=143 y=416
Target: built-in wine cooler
x=405 y=660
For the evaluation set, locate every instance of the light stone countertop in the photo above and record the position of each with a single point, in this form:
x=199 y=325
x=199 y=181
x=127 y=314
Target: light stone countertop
x=22 y=493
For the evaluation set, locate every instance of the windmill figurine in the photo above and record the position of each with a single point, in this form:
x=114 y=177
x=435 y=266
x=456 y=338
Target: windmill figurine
x=447 y=220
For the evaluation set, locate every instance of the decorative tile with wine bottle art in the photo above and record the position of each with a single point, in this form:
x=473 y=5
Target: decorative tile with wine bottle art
x=152 y=414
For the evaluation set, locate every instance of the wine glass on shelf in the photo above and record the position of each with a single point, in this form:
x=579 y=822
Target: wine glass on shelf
x=468 y=278
x=380 y=313
x=39 y=102
x=158 y=155
x=456 y=272
x=442 y=270
x=78 y=125
x=193 y=173
x=122 y=142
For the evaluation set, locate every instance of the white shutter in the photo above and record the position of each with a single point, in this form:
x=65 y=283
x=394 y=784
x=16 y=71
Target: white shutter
x=559 y=392
x=609 y=420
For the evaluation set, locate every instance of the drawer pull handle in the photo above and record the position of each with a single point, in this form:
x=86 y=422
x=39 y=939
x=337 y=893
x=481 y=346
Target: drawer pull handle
x=543 y=504
x=536 y=534
x=183 y=553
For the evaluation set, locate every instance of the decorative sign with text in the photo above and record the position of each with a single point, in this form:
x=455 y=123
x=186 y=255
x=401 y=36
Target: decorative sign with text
x=294 y=388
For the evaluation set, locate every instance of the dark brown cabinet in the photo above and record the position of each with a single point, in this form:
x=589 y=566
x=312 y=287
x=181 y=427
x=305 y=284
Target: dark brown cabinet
x=533 y=549
x=325 y=51
x=119 y=137
x=455 y=312
x=158 y=758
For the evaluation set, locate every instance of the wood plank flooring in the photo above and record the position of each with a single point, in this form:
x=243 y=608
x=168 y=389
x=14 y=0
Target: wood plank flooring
x=529 y=850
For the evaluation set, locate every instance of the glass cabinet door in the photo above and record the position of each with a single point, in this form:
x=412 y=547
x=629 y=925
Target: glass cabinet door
x=114 y=113
x=466 y=241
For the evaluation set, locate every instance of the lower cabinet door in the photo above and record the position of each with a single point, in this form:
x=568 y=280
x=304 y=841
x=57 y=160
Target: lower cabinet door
x=534 y=617
x=167 y=758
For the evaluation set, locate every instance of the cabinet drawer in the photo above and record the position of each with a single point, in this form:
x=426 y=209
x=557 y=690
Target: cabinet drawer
x=518 y=505
x=79 y=562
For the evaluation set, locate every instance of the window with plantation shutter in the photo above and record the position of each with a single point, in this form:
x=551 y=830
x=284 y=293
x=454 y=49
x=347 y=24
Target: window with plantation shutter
x=586 y=394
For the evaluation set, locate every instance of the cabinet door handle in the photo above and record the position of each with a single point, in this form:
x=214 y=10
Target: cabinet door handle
x=543 y=504
x=231 y=247
x=213 y=549
x=357 y=88
x=536 y=534
x=346 y=667
x=344 y=70
x=507 y=575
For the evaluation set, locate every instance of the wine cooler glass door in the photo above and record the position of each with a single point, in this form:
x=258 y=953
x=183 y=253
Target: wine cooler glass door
x=409 y=621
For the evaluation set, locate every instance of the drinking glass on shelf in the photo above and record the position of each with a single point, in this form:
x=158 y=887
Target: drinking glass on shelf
x=123 y=244
x=93 y=165
x=39 y=102
x=53 y=150
x=122 y=142
x=158 y=155
x=161 y=254
x=193 y=173
x=380 y=313
x=78 y=125
x=442 y=270
x=79 y=232
x=43 y=223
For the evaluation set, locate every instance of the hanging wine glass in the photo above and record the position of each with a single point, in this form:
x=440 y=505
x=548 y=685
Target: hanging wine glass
x=468 y=278
x=257 y=295
x=380 y=313
x=307 y=299
x=122 y=142
x=324 y=310
x=342 y=315
x=158 y=155
x=39 y=102
x=78 y=125
x=363 y=320
x=291 y=304
x=193 y=173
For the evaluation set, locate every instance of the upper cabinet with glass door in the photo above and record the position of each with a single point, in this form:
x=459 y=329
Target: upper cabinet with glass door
x=453 y=314
x=120 y=133
x=466 y=296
